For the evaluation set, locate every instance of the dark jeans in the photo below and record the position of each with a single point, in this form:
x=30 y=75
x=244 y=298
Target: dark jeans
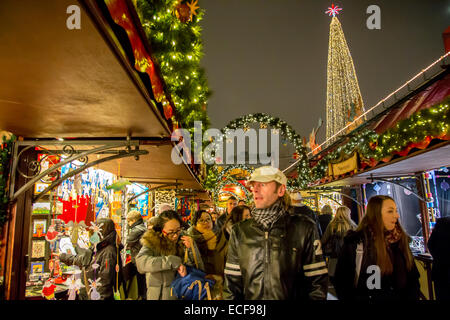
x=131 y=271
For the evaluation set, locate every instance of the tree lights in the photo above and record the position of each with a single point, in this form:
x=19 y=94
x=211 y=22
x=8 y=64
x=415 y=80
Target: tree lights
x=344 y=100
x=173 y=30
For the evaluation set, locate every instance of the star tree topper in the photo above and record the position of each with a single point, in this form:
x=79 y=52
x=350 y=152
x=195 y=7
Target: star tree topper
x=333 y=10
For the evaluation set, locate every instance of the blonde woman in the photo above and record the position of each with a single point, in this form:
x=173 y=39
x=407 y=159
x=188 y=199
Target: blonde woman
x=333 y=238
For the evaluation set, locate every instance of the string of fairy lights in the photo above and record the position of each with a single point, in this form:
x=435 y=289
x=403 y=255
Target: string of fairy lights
x=344 y=100
x=174 y=31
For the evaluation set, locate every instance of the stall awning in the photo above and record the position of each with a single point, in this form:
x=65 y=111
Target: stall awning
x=429 y=97
x=62 y=83
x=431 y=153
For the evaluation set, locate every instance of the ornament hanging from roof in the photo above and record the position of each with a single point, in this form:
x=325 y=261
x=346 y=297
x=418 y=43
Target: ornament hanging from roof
x=185 y=11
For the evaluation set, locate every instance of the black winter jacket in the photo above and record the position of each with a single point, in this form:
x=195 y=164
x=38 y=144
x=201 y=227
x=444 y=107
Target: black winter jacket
x=439 y=246
x=137 y=229
x=324 y=221
x=284 y=262
x=304 y=209
x=106 y=258
x=400 y=285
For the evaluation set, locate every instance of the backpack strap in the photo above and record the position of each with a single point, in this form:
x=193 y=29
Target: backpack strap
x=208 y=291
x=186 y=255
x=199 y=283
x=358 y=261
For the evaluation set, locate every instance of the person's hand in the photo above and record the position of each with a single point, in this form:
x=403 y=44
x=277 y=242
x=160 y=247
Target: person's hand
x=186 y=241
x=182 y=270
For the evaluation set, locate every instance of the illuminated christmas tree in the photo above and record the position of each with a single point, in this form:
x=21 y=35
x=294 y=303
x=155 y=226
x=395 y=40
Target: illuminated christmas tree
x=344 y=100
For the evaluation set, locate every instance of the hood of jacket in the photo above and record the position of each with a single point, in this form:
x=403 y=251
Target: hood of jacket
x=108 y=231
x=158 y=243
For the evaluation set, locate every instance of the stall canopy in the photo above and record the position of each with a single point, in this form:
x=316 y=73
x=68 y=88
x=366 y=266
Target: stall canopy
x=421 y=155
x=79 y=84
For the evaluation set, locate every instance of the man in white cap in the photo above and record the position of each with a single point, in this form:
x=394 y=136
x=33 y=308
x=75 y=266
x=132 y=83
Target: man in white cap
x=274 y=255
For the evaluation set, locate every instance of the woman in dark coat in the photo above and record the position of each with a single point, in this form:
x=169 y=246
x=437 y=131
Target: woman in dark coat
x=136 y=229
x=325 y=217
x=333 y=238
x=387 y=270
x=105 y=258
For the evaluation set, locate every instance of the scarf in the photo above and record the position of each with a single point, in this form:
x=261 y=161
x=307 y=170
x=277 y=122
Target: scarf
x=268 y=216
x=209 y=236
x=392 y=236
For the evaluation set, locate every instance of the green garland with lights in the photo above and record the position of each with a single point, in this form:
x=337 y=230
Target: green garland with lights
x=431 y=122
x=177 y=48
x=5 y=162
x=265 y=120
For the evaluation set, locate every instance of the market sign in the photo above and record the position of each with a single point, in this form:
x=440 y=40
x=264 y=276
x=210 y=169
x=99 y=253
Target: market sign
x=340 y=168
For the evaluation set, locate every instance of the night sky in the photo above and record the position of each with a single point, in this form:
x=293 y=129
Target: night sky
x=271 y=55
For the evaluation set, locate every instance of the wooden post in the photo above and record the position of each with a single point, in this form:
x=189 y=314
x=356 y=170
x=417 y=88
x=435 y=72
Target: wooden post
x=423 y=209
x=17 y=257
x=316 y=199
x=360 y=198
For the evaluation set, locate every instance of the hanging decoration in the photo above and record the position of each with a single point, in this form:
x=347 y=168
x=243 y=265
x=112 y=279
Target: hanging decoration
x=74 y=285
x=444 y=185
x=48 y=291
x=96 y=233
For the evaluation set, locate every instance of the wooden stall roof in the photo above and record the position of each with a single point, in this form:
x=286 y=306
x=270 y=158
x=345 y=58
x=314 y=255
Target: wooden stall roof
x=431 y=154
x=434 y=157
x=61 y=83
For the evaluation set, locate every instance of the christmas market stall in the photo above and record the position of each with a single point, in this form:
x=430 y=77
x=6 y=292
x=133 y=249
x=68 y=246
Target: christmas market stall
x=402 y=150
x=88 y=105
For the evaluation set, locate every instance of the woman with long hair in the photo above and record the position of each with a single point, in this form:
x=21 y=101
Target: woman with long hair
x=333 y=238
x=162 y=255
x=375 y=262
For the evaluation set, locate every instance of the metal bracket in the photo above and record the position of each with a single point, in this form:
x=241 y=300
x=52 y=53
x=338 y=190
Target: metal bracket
x=68 y=150
x=82 y=168
x=372 y=178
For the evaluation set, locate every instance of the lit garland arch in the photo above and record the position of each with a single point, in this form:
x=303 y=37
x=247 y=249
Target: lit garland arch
x=266 y=120
x=229 y=180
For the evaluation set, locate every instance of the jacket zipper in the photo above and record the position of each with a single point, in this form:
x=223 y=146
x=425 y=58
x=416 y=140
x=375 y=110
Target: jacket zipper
x=266 y=235
x=266 y=264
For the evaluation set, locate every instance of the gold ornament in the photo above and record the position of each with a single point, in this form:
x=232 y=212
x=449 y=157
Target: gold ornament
x=193 y=6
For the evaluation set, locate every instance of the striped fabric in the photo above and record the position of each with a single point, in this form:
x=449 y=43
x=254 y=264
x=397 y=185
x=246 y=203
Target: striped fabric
x=232 y=269
x=315 y=269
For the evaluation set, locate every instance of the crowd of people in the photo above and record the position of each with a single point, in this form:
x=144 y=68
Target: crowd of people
x=275 y=248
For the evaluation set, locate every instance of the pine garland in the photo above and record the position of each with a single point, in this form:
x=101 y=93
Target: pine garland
x=265 y=120
x=177 y=48
x=431 y=122
x=5 y=163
